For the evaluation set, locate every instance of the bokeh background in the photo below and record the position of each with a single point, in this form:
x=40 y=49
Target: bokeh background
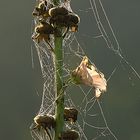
x=21 y=85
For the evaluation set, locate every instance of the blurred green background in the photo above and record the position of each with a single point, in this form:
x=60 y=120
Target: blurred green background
x=19 y=82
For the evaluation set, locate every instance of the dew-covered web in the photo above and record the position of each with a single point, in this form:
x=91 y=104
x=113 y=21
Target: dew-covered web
x=91 y=123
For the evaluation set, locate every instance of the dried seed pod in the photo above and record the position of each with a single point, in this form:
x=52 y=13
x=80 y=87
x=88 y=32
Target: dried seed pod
x=73 y=21
x=70 y=114
x=43 y=31
x=44 y=27
x=70 y=20
x=59 y=21
x=42 y=9
x=69 y=135
x=73 y=18
x=45 y=121
x=55 y=11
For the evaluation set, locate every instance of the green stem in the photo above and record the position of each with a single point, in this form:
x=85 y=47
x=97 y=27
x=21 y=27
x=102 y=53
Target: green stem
x=58 y=64
x=59 y=110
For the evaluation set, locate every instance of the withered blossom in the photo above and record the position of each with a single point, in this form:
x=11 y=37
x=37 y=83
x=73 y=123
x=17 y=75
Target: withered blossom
x=88 y=74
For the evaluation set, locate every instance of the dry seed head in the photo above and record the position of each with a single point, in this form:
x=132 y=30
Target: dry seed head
x=69 y=135
x=70 y=114
x=53 y=12
x=45 y=121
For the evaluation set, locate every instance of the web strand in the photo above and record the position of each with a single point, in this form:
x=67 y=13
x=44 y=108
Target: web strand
x=104 y=34
x=90 y=112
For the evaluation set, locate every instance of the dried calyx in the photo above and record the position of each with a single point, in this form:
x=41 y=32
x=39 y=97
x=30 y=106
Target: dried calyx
x=43 y=31
x=44 y=121
x=69 y=135
x=61 y=17
x=42 y=9
x=56 y=19
x=70 y=114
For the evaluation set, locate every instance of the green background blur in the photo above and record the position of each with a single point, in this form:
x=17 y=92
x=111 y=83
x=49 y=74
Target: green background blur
x=21 y=85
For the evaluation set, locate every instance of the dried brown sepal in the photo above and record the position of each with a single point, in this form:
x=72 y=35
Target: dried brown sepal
x=73 y=18
x=69 y=135
x=88 y=74
x=65 y=21
x=58 y=21
x=44 y=27
x=44 y=121
x=42 y=32
x=42 y=9
x=56 y=11
x=70 y=114
x=61 y=17
x=72 y=22
x=39 y=37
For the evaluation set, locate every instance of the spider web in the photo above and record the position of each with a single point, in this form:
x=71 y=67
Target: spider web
x=91 y=123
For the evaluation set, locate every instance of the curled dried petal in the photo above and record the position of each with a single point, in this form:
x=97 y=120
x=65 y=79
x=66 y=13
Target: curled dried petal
x=87 y=74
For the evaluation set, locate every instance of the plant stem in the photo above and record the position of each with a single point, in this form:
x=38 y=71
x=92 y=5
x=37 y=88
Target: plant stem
x=58 y=64
x=59 y=110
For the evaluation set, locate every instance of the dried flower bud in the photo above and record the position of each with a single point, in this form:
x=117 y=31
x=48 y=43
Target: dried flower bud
x=55 y=11
x=69 y=135
x=70 y=114
x=46 y=121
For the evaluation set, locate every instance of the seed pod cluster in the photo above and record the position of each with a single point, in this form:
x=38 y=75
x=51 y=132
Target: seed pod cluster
x=50 y=19
x=61 y=17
